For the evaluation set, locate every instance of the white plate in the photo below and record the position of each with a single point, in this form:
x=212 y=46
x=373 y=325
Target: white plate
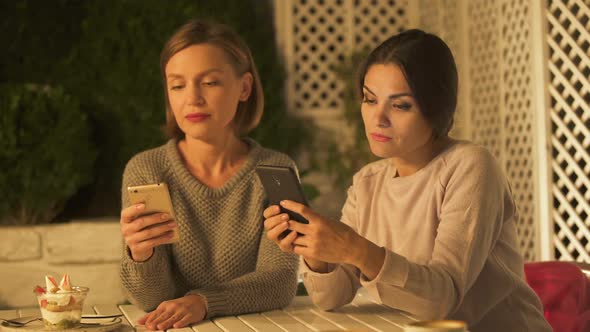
x=100 y=325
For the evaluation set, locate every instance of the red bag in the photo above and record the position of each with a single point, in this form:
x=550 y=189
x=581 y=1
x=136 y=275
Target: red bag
x=565 y=293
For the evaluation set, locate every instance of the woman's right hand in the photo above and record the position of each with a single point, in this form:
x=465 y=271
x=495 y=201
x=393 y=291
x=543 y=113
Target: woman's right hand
x=143 y=234
x=275 y=224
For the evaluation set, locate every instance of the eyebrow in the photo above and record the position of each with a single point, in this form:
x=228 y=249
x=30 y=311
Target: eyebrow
x=393 y=96
x=208 y=71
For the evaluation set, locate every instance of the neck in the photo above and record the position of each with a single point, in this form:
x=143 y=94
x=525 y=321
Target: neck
x=415 y=160
x=213 y=158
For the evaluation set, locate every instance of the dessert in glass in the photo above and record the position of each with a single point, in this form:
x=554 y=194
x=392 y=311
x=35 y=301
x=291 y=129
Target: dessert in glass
x=61 y=305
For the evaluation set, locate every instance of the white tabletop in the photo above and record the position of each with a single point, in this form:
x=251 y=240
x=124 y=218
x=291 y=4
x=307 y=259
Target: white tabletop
x=361 y=315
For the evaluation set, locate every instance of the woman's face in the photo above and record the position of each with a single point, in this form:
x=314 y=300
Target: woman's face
x=394 y=125
x=204 y=91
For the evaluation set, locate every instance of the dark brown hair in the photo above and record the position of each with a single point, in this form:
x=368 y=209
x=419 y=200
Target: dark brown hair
x=205 y=32
x=429 y=67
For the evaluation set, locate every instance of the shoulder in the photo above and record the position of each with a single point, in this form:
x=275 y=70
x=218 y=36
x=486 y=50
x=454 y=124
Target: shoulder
x=371 y=171
x=466 y=153
x=271 y=157
x=467 y=159
x=149 y=161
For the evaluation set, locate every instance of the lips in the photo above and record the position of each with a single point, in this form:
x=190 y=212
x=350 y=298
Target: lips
x=380 y=138
x=196 y=117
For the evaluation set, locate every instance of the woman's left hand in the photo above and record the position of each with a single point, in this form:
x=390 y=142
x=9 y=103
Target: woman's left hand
x=177 y=313
x=322 y=239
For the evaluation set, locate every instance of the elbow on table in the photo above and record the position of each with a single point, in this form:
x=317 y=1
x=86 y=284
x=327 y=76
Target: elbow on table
x=432 y=311
x=282 y=293
x=286 y=297
x=327 y=302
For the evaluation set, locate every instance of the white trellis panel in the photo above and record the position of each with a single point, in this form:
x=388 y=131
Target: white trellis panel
x=316 y=35
x=569 y=88
x=492 y=45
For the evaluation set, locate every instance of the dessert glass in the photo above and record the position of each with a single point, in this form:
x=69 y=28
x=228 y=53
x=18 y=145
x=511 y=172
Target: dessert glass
x=63 y=309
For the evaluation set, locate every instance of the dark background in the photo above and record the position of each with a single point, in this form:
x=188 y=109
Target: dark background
x=105 y=55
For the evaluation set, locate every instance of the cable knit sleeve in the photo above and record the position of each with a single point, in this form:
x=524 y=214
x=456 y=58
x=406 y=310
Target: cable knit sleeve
x=148 y=283
x=271 y=286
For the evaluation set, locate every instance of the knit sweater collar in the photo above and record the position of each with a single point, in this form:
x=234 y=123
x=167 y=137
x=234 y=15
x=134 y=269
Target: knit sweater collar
x=186 y=179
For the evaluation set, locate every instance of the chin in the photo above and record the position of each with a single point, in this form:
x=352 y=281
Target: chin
x=197 y=134
x=384 y=151
x=381 y=152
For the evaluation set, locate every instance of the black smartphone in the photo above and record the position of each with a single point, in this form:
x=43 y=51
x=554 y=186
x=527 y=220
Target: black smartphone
x=281 y=183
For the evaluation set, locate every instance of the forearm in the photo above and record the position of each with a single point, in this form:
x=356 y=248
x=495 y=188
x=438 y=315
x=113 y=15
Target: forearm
x=317 y=266
x=253 y=292
x=148 y=283
x=367 y=257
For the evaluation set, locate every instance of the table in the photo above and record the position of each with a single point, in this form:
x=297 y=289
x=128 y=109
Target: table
x=301 y=316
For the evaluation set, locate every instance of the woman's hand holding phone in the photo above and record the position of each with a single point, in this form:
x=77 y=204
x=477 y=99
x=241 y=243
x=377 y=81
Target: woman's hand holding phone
x=319 y=242
x=143 y=233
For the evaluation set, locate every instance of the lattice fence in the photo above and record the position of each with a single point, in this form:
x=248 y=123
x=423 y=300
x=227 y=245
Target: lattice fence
x=569 y=65
x=322 y=34
x=500 y=92
x=485 y=76
x=518 y=118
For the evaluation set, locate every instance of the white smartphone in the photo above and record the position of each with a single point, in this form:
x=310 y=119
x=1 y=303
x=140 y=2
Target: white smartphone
x=156 y=199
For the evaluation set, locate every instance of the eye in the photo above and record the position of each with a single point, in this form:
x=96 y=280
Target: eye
x=402 y=106
x=177 y=87
x=369 y=100
x=211 y=83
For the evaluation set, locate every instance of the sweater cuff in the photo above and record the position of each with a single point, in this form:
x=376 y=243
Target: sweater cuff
x=216 y=302
x=394 y=272
x=317 y=281
x=152 y=265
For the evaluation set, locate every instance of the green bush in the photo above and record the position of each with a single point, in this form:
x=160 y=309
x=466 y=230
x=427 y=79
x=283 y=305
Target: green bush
x=106 y=53
x=45 y=150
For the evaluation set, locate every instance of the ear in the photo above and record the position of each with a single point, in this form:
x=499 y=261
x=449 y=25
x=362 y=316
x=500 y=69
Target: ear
x=247 y=82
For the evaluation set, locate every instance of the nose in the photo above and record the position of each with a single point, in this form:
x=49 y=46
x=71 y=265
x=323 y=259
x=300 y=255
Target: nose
x=380 y=117
x=196 y=96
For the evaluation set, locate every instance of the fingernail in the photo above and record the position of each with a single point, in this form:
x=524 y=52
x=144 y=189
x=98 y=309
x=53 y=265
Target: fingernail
x=284 y=217
x=282 y=203
x=165 y=216
x=172 y=225
x=139 y=206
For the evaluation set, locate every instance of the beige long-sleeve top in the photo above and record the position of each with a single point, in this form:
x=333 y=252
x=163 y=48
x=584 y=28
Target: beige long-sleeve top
x=223 y=253
x=450 y=239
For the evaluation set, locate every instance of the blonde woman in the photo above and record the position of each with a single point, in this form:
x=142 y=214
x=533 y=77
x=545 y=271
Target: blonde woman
x=223 y=264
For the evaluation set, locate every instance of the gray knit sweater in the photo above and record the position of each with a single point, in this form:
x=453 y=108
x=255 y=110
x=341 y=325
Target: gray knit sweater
x=223 y=253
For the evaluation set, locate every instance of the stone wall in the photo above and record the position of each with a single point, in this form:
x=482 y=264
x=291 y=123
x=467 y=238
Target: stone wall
x=89 y=251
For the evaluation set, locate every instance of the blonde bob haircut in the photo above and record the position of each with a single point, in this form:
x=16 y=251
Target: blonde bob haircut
x=205 y=32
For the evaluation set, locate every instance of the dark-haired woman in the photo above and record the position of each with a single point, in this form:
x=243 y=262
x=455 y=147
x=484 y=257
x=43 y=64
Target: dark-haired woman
x=431 y=228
